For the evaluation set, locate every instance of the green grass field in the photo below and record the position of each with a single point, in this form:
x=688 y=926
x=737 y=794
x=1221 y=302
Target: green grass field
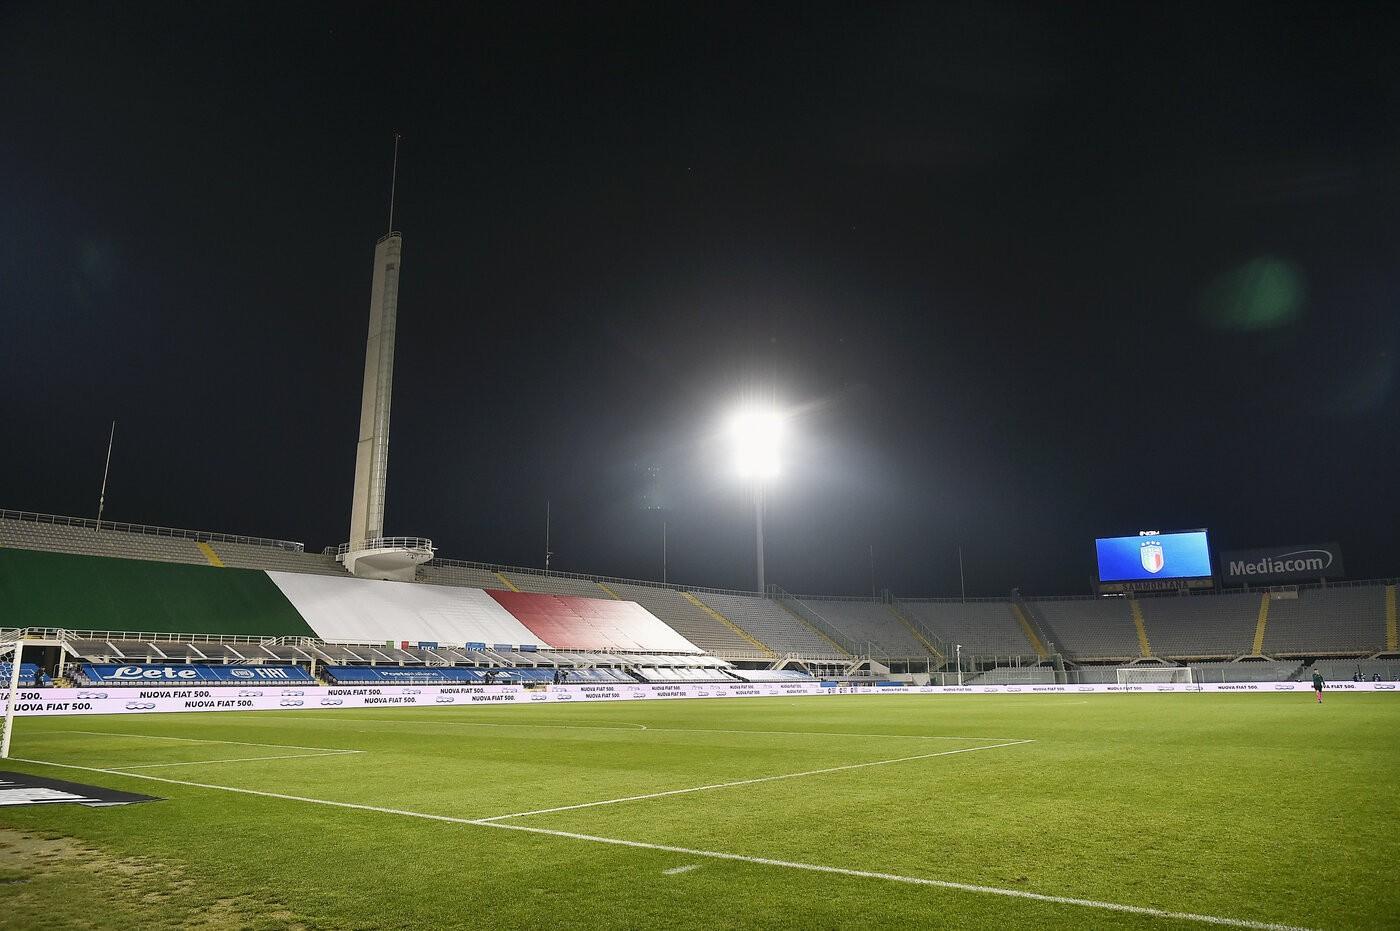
x=1259 y=808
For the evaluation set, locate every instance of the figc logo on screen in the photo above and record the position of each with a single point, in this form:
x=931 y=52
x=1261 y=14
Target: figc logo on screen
x=1150 y=552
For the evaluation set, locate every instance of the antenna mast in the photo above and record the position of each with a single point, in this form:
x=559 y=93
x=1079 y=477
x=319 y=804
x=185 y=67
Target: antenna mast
x=394 y=180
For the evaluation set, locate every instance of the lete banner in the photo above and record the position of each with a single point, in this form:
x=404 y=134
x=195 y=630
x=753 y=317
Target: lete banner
x=176 y=674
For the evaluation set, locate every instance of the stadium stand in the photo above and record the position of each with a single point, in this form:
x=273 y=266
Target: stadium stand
x=985 y=627
x=691 y=620
x=58 y=590
x=86 y=541
x=1337 y=619
x=447 y=572
x=1097 y=628
x=771 y=624
x=772 y=675
x=554 y=585
x=27 y=674
x=868 y=622
x=247 y=556
x=573 y=622
x=363 y=611
x=1201 y=625
x=154 y=595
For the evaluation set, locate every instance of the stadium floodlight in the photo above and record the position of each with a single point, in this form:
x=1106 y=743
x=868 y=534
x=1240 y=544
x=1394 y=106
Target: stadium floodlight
x=756 y=435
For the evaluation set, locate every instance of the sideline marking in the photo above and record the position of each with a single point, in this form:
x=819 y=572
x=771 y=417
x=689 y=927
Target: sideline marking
x=645 y=727
x=746 y=782
x=677 y=870
x=718 y=855
x=241 y=759
x=199 y=740
x=571 y=727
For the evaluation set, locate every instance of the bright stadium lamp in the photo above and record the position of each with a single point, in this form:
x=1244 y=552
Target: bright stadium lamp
x=755 y=436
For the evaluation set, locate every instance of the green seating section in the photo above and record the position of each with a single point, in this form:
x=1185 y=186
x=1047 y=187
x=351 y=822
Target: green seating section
x=42 y=589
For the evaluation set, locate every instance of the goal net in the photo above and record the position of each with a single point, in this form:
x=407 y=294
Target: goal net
x=1151 y=675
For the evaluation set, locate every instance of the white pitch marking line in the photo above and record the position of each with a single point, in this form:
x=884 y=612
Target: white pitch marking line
x=651 y=729
x=911 y=880
x=241 y=759
x=572 y=727
x=713 y=854
x=748 y=782
x=677 y=870
x=198 y=740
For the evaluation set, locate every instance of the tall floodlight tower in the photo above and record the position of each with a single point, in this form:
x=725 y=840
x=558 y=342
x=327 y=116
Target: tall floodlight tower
x=369 y=553
x=372 y=450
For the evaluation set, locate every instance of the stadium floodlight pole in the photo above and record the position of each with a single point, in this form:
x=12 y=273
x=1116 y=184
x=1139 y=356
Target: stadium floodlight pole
x=758 y=524
x=102 y=495
x=10 y=699
x=756 y=433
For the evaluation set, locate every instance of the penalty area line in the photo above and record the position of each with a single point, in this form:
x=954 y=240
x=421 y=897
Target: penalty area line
x=715 y=854
x=241 y=759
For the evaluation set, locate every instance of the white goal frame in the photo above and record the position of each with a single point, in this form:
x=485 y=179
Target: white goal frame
x=1155 y=675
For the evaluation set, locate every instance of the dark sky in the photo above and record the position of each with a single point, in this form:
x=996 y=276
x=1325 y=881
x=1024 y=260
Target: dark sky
x=1029 y=273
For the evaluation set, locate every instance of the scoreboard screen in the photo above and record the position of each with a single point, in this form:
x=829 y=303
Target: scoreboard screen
x=1150 y=556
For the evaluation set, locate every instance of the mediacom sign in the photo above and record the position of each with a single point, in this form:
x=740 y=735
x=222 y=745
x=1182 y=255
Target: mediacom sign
x=1283 y=564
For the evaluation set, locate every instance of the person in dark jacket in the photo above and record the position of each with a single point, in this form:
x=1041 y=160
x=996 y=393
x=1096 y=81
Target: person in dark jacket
x=1317 y=685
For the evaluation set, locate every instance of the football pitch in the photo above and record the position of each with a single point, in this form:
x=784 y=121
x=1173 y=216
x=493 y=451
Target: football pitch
x=1125 y=811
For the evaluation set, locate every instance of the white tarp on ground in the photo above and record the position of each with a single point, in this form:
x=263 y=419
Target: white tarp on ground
x=367 y=611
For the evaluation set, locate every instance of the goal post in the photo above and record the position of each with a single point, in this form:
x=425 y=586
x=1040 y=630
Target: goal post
x=1154 y=675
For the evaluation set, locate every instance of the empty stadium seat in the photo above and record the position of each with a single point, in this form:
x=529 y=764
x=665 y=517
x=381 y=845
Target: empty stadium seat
x=985 y=627
x=771 y=624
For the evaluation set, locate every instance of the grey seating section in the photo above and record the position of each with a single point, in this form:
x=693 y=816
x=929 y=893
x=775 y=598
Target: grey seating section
x=869 y=622
x=1201 y=625
x=986 y=627
x=555 y=585
x=514 y=658
x=250 y=556
x=469 y=576
x=288 y=653
x=338 y=654
x=84 y=541
x=1094 y=628
x=693 y=623
x=772 y=624
x=1347 y=619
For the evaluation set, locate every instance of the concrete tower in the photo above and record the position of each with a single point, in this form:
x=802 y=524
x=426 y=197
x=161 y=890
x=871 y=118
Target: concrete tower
x=369 y=553
x=372 y=451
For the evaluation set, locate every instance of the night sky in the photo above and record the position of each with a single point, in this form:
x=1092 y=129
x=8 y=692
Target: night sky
x=1027 y=274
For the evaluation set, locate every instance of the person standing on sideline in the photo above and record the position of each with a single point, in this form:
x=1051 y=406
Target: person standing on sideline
x=1317 y=685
